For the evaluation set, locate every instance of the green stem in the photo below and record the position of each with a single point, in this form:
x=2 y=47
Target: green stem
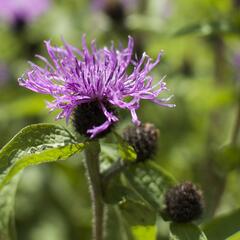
x=92 y=151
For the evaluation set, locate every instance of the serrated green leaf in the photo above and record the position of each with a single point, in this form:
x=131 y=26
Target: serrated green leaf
x=186 y=231
x=235 y=236
x=35 y=144
x=151 y=182
x=223 y=226
x=144 y=233
x=126 y=152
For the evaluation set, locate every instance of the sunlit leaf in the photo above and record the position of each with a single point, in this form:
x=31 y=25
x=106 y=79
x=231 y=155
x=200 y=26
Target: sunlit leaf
x=126 y=151
x=144 y=233
x=235 y=236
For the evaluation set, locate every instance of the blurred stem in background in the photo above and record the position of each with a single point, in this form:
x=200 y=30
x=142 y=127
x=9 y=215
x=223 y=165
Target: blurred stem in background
x=236 y=128
x=211 y=175
x=93 y=170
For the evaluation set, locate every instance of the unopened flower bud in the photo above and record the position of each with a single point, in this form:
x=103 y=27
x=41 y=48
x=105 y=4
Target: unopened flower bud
x=143 y=139
x=184 y=203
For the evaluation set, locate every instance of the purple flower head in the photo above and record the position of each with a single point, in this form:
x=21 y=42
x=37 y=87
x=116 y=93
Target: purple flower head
x=95 y=80
x=14 y=11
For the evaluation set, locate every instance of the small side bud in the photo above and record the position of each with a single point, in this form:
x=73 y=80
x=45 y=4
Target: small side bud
x=184 y=203
x=143 y=139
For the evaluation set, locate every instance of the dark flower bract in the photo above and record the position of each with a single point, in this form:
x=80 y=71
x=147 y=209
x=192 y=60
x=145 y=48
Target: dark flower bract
x=77 y=76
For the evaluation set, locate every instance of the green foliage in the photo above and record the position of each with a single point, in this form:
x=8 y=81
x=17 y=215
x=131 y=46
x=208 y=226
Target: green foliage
x=235 y=236
x=223 y=226
x=7 y=201
x=17 y=109
x=207 y=28
x=186 y=231
x=137 y=213
x=126 y=151
x=202 y=73
x=33 y=145
x=144 y=232
x=228 y=157
x=115 y=226
x=151 y=182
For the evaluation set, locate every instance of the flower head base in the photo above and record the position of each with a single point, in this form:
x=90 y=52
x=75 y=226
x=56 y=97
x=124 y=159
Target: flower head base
x=89 y=114
x=75 y=77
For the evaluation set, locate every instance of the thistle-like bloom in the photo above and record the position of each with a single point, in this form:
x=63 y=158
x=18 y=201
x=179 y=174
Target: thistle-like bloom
x=95 y=81
x=14 y=11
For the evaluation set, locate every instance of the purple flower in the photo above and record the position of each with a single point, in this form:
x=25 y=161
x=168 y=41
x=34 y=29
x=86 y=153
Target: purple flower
x=78 y=77
x=13 y=11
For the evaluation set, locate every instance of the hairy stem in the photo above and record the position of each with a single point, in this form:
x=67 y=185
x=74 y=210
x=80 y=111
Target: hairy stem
x=93 y=170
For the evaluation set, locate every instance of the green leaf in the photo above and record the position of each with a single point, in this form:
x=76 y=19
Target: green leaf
x=144 y=233
x=186 y=231
x=137 y=213
x=33 y=145
x=7 y=194
x=223 y=226
x=126 y=152
x=150 y=182
x=235 y=236
x=115 y=227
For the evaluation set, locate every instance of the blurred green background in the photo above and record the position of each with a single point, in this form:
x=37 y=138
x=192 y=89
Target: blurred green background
x=202 y=67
